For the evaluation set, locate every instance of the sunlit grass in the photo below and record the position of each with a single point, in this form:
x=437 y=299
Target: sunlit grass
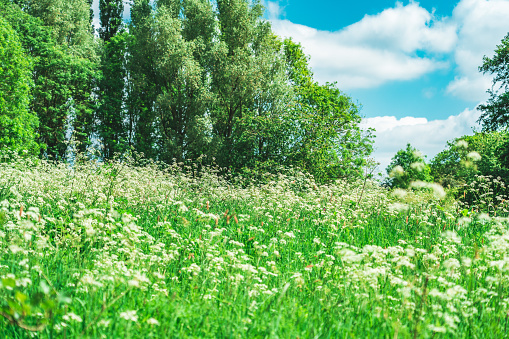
x=118 y=250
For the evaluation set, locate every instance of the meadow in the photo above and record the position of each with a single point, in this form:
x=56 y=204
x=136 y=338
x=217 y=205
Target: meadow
x=135 y=249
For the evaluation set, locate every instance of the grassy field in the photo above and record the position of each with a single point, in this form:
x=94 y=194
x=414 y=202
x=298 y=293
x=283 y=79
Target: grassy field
x=122 y=251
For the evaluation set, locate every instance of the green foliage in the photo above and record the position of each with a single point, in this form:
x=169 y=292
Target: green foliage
x=51 y=91
x=327 y=139
x=249 y=116
x=188 y=79
x=182 y=92
x=223 y=85
x=111 y=113
x=495 y=113
x=406 y=166
x=17 y=123
x=65 y=67
x=470 y=156
x=142 y=88
x=111 y=17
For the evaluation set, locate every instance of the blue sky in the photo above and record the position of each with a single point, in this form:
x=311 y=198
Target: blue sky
x=411 y=65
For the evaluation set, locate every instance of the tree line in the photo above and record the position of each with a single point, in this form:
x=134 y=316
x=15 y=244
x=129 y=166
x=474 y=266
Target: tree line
x=181 y=80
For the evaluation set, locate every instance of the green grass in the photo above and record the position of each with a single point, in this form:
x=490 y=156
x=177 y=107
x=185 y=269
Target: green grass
x=122 y=251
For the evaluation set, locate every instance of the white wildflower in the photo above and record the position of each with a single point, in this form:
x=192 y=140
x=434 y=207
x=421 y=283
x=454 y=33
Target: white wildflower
x=462 y=144
x=129 y=315
x=451 y=263
x=397 y=171
x=153 y=321
x=71 y=316
x=104 y=323
x=399 y=193
x=418 y=166
x=438 y=329
x=474 y=156
x=290 y=235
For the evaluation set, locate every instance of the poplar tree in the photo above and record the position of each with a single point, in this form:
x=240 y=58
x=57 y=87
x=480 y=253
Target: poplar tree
x=181 y=103
x=142 y=90
x=111 y=113
x=52 y=90
x=111 y=18
x=248 y=84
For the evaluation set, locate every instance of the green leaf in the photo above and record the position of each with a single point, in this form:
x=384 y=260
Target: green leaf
x=9 y=283
x=21 y=297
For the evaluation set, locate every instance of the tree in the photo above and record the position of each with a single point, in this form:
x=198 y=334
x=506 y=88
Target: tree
x=111 y=18
x=69 y=23
x=407 y=165
x=17 y=124
x=249 y=87
x=111 y=116
x=58 y=35
x=142 y=88
x=480 y=154
x=327 y=139
x=182 y=88
x=495 y=113
x=51 y=91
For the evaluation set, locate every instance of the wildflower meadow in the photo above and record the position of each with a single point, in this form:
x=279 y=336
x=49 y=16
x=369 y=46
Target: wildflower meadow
x=133 y=249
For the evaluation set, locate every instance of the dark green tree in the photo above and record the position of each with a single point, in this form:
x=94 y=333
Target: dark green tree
x=142 y=88
x=18 y=124
x=111 y=18
x=66 y=67
x=111 y=115
x=51 y=75
x=495 y=113
x=249 y=86
x=69 y=23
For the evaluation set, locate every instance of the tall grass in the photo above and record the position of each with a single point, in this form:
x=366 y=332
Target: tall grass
x=114 y=250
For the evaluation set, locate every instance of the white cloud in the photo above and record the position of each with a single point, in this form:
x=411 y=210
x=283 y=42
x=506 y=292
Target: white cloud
x=375 y=50
x=402 y=28
x=471 y=87
x=481 y=26
x=382 y=47
x=273 y=10
x=430 y=137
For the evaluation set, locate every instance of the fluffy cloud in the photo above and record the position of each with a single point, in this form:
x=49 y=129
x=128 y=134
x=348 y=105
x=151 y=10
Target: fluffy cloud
x=401 y=29
x=481 y=26
x=382 y=47
x=377 y=49
x=430 y=137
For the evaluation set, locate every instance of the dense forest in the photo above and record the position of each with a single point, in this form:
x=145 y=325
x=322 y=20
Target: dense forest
x=179 y=81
